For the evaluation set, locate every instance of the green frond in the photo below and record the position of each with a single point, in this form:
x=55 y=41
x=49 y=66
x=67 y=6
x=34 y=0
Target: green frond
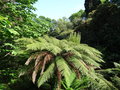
x=117 y=65
x=53 y=49
x=74 y=37
x=90 y=52
x=79 y=65
x=76 y=53
x=68 y=48
x=105 y=84
x=116 y=81
x=98 y=82
x=65 y=46
x=52 y=40
x=90 y=61
x=96 y=52
x=46 y=75
x=44 y=46
x=40 y=39
x=64 y=68
x=77 y=84
x=32 y=57
x=71 y=79
x=83 y=49
x=25 y=40
x=114 y=71
x=88 y=49
x=36 y=46
x=80 y=84
x=47 y=38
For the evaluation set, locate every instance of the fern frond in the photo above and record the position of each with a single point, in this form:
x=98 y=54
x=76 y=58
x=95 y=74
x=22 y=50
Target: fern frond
x=40 y=39
x=74 y=37
x=36 y=46
x=29 y=60
x=90 y=61
x=79 y=65
x=63 y=68
x=39 y=56
x=117 y=65
x=25 y=40
x=84 y=49
x=46 y=75
x=104 y=84
x=52 y=40
x=34 y=74
x=44 y=46
x=47 y=58
x=81 y=84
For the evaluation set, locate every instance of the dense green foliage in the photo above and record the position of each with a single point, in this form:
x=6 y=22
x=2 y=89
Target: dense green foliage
x=53 y=53
x=16 y=21
x=61 y=28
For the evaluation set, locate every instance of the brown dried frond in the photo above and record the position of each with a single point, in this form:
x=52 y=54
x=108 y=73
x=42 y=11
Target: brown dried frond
x=67 y=55
x=39 y=56
x=32 y=57
x=59 y=79
x=35 y=56
x=36 y=69
x=92 y=66
x=47 y=58
x=29 y=60
x=85 y=65
x=75 y=69
x=38 y=59
x=77 y=73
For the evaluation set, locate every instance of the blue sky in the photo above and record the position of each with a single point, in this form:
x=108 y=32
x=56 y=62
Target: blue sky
x=56 y=9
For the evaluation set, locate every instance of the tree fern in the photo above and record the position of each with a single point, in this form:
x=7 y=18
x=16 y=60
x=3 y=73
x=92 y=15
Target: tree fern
x=62 y=58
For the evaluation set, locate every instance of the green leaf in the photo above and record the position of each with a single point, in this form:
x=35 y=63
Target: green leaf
x=12 y=31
